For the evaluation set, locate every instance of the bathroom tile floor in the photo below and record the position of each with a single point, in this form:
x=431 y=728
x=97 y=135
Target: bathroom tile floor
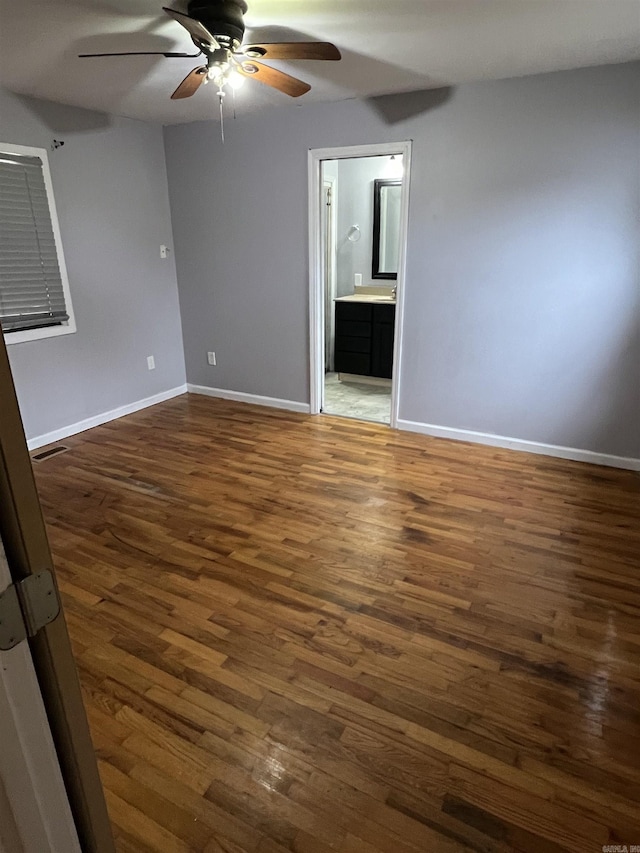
x=356 y=399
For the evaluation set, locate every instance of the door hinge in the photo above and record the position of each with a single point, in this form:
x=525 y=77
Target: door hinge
x=26 y=607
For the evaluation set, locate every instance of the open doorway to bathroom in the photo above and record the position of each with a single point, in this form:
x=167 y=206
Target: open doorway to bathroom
x=358 y=239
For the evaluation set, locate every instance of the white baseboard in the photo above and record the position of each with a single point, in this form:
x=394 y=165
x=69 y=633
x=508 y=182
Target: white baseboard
x=488 y=439
x=255 y=399
x=557 y=451
x=104 y=417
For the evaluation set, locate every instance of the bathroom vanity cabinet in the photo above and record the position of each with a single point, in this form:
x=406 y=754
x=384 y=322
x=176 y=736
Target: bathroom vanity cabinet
x=364 y=337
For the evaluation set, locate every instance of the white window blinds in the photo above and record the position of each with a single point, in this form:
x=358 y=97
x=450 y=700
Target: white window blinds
x=31 y=290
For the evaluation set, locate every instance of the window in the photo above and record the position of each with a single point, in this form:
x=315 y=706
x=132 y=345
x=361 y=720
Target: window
x=34 y=290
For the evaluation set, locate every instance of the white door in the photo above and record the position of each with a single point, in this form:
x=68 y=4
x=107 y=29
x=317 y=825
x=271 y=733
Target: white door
x=35 y=816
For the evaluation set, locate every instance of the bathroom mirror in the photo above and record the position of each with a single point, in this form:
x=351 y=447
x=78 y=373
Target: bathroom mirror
x=386 y=228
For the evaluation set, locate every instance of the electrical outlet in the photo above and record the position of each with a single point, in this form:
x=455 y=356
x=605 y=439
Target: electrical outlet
x=163 y=251
x=211 y=358
x=151 y=362
x=357 y=279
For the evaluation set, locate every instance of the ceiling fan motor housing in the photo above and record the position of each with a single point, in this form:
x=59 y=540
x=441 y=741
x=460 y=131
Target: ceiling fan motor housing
x=223 y=18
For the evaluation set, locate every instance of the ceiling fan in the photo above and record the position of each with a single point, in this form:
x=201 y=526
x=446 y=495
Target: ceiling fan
x=216 y=28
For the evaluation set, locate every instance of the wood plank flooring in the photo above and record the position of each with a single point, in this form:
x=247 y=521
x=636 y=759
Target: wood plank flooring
x=310 y=634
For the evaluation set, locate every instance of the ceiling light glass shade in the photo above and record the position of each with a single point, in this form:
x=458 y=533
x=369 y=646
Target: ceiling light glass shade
x=216 y=75
x=234 y=79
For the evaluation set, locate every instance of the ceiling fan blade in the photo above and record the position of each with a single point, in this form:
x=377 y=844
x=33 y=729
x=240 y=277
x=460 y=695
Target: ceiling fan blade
x=191 y=83
x=196 y=30
x=292 y=50
x=141 y=53
x=276 y=79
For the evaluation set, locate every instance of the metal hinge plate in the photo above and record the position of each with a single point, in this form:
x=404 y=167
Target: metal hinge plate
x=26 y=607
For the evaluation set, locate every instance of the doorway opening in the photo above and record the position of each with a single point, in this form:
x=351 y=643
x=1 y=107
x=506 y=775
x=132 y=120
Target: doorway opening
x=357 y=241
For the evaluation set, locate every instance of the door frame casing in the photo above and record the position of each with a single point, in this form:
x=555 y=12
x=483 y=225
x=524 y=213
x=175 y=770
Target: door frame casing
x=316 y=278
x=331 y=274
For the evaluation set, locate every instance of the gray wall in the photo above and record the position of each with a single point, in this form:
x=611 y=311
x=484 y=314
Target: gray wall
x=110 y=188
x=522 y=295
x=355 y=207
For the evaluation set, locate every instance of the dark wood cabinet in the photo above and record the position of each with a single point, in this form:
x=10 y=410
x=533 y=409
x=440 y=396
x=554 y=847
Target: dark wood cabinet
x=364 y=338
x=382 y=340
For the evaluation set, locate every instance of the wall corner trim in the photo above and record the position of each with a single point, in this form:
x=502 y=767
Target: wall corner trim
x=255 y=399
x=104 y=417
x=501 y=441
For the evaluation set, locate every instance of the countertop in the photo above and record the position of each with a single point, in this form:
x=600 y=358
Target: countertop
x=366 y=297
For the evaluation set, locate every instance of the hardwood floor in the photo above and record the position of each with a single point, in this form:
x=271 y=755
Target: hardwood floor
x=310 y=634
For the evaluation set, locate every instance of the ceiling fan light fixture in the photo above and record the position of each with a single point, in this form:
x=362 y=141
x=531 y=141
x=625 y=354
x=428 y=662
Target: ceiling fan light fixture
x=217 y=29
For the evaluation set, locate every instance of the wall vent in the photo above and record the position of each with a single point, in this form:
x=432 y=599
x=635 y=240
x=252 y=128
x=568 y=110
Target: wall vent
x=47 y=454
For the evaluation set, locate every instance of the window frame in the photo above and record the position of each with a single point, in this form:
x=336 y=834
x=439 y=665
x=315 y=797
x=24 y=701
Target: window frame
x=67 y=327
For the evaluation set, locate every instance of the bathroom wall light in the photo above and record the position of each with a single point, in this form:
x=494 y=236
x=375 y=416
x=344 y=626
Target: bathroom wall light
x=395 y=167
x=353 y=234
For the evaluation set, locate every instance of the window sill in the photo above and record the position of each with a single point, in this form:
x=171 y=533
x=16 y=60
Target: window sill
x=22 y=337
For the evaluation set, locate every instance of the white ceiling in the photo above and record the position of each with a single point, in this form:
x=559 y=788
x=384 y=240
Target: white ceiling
x=391 y=46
